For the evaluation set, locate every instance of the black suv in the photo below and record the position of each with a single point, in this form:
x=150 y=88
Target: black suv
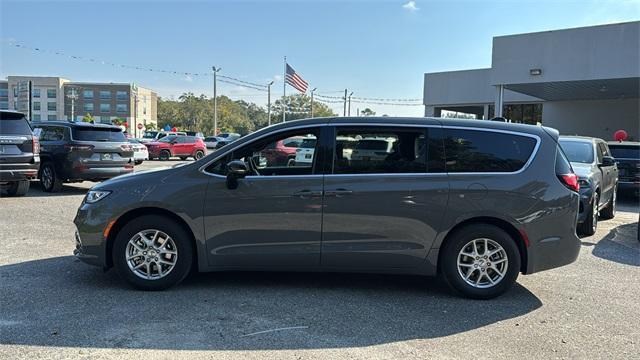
x=627 y=155
x=19 y=153
x=74 y=152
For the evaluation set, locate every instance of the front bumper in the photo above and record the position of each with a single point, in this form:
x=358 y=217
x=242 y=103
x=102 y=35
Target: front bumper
x=90 y=242
x=586 y=196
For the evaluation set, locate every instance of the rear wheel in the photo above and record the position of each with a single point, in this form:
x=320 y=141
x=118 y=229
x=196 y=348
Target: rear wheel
x=152 y=253
x=480 y=261
x=138 y=162
x=18 y=188
x=609 y=212
x=590 y=224
x=49 y=178
x=164 y=155
x=199 y=155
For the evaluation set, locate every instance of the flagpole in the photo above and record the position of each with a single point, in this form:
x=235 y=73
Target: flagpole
x=284 y=90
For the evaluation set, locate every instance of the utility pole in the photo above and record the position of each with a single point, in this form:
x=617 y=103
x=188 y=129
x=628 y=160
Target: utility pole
x=344 y=110
x=73 y=96
x=314 y=89
x=215 y=99
x=349 y=112
x=135 y=115
x=269 y=101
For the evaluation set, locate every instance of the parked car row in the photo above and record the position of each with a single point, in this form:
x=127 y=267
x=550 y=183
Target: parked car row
x=58 y=152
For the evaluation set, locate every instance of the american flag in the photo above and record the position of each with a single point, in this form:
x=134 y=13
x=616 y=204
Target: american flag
x=295 y=80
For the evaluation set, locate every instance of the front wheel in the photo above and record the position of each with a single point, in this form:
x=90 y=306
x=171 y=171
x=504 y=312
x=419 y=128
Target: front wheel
x=153 y=253
x=590 y=224
x=609 y=212
x=480 y=261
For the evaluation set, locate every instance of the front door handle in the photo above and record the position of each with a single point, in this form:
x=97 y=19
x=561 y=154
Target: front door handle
x=338 y=192
x=304 y=194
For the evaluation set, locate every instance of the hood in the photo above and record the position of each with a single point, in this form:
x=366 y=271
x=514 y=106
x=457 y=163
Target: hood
x=584 y=171
x=150 y=176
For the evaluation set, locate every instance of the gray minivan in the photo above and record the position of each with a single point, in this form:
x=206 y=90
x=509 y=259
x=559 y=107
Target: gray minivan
x=477 y=202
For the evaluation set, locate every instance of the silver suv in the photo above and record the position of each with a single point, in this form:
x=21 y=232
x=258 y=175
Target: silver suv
x=473 y=201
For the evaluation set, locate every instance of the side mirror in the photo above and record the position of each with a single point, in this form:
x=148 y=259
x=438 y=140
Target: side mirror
x=608 y=161
x=236 y=169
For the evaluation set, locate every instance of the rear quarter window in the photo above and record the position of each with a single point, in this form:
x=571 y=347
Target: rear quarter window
x=486 y=151
x=98 y=134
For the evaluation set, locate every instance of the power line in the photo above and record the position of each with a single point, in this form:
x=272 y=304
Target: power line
x=229 y=80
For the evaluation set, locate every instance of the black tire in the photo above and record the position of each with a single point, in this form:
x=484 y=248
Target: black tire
x=609 y=212
x=164 y=155
x=199 y=155
x=182 y=242
x=138 y=162
x=589 y=226
x=49 y=178
x=460 y=239
x=18 y=188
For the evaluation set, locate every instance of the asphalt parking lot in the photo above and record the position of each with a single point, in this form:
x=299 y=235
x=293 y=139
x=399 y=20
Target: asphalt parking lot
x=54 y=306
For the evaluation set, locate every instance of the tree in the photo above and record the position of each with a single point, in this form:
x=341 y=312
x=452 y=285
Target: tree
x=88 y=118
x=299 y=107
x=367 y=112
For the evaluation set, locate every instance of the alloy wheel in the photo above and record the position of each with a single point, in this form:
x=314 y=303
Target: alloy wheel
x=47 y=177
x=482 y=263
x=151 y=254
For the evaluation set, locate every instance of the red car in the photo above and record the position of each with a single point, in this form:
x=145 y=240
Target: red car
x=177 y=145
x=282 y=152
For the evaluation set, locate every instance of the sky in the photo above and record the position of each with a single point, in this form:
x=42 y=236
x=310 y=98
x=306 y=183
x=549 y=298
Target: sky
x=377 y=49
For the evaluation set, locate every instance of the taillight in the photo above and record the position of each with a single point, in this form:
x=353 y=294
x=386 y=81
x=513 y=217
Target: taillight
x=71 y=148
x=570 y=181
x=126 y=147
x=36 y=145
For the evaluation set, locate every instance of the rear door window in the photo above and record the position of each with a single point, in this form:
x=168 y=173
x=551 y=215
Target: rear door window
x=486 y=151
x=98 y=134
x=14 y=124
x=380 y=150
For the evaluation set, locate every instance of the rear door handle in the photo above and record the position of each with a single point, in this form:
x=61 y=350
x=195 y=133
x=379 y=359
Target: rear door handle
x=304 y=194
x=338 y=192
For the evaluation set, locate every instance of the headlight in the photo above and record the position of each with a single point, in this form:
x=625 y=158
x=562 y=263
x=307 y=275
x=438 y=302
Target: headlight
x=93 y=196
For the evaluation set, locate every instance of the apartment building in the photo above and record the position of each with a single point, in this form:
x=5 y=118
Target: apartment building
x=105 y=102
x=44 y=98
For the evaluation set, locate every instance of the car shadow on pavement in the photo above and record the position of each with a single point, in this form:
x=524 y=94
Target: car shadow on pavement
x=62 y=302
x=620 y=245
x=67 y=189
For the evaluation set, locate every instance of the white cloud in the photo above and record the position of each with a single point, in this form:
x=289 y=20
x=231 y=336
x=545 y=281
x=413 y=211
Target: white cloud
x=188 y=78
x=411 y=6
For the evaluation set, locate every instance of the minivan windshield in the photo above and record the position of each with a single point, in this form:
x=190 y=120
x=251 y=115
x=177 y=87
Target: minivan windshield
x=98 y=134
x=578 y=151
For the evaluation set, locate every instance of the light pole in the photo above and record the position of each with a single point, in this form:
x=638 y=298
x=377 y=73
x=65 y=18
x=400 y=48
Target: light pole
x=215 y=100
x=269 y=101
x=73 y=96
x=349 y=112
x=312 y=91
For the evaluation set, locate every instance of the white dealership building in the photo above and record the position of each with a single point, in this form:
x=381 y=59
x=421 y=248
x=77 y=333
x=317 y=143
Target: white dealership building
x=582 y=81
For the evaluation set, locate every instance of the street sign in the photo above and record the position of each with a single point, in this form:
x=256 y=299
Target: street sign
x=140 y=126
